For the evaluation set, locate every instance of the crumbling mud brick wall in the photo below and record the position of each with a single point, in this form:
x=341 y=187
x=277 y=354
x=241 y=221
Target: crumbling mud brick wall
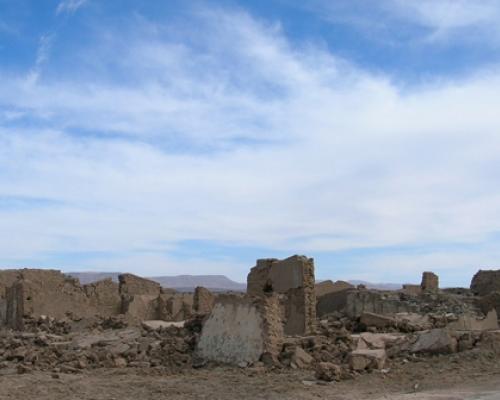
x=140 y=307
x=203 y=301
x=15 y=306
x=469 y=322
x=354 y=302
x=104 y=296
x=134 y=285
x=485 y=282
x=294 y=277
x=46 y=292
x=326 y=287
x=35 y=292
x=140 y=298
x=175 y=306
x=241 y=329
x=430 y=282
x=413 y=290
x=490 y=302
x=7 y=279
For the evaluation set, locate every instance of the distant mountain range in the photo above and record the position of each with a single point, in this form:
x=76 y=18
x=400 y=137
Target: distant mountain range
x=182 y=283
x=187 y=283
x=379 y=286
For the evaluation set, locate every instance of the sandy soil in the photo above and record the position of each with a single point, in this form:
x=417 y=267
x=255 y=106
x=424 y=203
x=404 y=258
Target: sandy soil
x=440 y=378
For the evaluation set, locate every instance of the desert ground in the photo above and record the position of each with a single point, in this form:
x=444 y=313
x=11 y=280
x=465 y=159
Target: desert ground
x=452 y=377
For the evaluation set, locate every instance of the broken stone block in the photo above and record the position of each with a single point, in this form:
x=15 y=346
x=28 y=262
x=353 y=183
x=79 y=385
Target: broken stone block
x=377 y=320
x=300 y=358
x=329 y=372
x=469 y=322
x=411 y=322
x=430 y=282
x=361 y=360
x=241 y=329
x=435 y=341
x=374 y=341
x=155 y=325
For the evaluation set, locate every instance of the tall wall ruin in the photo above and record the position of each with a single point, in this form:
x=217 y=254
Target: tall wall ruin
x=241 y=329
x=430 y=282
x=37 y=292
x=485 y=282
x=293 y=277
x=7 y=279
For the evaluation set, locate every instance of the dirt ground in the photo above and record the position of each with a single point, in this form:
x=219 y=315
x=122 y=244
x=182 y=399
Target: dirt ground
x=442 y=377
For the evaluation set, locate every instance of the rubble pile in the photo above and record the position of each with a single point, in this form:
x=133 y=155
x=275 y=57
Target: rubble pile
x=71 y=352
x=335 y=331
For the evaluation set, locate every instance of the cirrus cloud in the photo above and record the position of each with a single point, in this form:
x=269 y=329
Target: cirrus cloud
x=231 y=133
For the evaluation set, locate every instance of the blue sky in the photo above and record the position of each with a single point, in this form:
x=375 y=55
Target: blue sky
x=172 y=137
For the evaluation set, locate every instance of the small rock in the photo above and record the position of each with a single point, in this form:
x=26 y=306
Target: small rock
x=367 y=359
x=120 y=362
x=329 y=372
x=301 y=359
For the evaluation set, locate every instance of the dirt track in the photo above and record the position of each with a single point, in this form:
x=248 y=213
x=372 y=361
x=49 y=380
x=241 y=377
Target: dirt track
x=235 y=384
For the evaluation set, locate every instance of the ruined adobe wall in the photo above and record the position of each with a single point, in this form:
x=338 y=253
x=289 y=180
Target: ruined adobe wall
x=489 y=302
x=104 y=297
x=36 y=292
x=294 y=277
x=135 y=285
x=140 y=307
x=7 y=279
x=259 y=280
x=412 y=290
x=175 y=306
x=328 y=286
x=354 y=302
x=241 y=329
x=430 y=282
x=15 y=306
x=46 y=292
x=140 y=298
x=485 y=282
x=203 y=301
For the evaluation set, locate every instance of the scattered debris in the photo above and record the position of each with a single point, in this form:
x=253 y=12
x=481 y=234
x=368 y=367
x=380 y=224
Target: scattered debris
x=49 y=322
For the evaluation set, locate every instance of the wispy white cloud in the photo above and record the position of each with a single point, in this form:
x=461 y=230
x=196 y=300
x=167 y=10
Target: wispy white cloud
x=42 y=56
x=69 y=6
x=447 y=17
x=233 y=134
x=416 y=21
x=449 y=14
